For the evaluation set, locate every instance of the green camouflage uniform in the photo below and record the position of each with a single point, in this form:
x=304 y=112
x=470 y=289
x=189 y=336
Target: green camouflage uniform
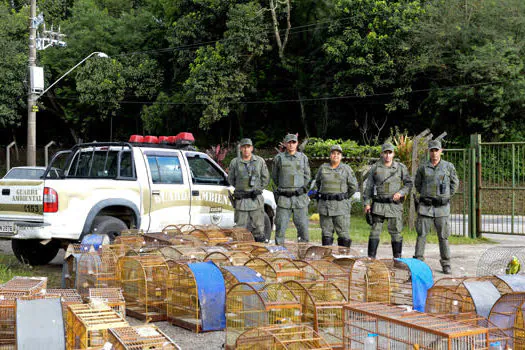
x=387 y=181
x=291 y=174
x=335 y=214
x=435 y=184
x=249 y=209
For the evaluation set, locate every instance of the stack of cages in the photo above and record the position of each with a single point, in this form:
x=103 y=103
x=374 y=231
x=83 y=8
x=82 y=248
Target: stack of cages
x=8 y=319
x=96 y=270
x=507 y=315
x=239 y=234
x=143 y=282
x=281 y=338
x=322 y=308
x=112 y=297
x=183 y=308
x=183 y=253
x=384 y=326
x=252 y=305
x=228 y=258
x=88 y=327
x=211 y=236
x=499 y=260
x=140 y=337
x=368 y=281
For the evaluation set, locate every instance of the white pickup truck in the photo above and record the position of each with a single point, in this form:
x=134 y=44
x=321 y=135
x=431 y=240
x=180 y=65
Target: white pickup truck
x=109 y=187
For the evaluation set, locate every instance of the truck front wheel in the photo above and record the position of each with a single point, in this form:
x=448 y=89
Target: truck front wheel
x=108 y=225
x=32 y=252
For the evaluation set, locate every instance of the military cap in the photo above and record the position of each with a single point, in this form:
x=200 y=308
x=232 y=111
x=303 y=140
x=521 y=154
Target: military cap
x=387 y=147
x=246 y=141
x=290 y=137
x=336 y=148
x=434 y=144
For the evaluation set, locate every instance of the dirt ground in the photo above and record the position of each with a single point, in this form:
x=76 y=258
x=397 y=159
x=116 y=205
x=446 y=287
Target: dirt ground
x=464 y=263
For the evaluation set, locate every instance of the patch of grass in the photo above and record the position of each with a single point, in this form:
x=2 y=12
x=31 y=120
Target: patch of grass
x=10 y=267
x=360 y=230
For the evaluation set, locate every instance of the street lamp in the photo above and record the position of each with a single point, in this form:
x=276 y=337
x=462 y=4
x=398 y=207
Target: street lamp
x=31 y=112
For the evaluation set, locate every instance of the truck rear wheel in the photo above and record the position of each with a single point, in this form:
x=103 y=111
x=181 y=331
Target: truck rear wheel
x=108 y=225
x=32 y=252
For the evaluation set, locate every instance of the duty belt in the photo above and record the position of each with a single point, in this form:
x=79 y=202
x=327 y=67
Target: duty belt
x=388 y=200
x=333 y=196
x=246 y=194
x=435 y=202
x=293 y=193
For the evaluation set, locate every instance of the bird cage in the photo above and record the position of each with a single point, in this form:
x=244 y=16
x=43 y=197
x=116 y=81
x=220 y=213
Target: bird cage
x=131 y=232
x=322 y=308
x=143 y=280
x=196 y=296
x=507 y=314
x=183 y=253
x=272 y=252
x=397 y=328
x=279 y=269
x=210 y=236
x=134 y=242
x=237 y=274
x=8 y=319
x=368 y=281
x=410 y=280
x=67 y=297
x=239 y=234
x=96 y=270
x=69 y=267
x=497 y=260
x=26 y=285
x=112 y=297
x=465 y=295
x=329 y=271
x=172 y=230
x=229 y=258
x=184 y=228
x=147 y=336
x=118 y=249
x=281 y=338
x=298 y=249
x=88 y=327
x=161 y=239
x=252 y=305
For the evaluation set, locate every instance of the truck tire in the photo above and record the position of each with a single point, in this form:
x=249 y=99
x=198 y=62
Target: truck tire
x=108 y=225
x=32 y=252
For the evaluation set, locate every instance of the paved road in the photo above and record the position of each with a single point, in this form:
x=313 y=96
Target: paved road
x=490 y=223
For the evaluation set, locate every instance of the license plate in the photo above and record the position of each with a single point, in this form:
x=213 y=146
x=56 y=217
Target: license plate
x=7 y=227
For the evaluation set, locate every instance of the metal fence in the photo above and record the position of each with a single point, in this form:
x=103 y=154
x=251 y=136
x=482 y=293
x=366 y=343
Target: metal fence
x=459 y=205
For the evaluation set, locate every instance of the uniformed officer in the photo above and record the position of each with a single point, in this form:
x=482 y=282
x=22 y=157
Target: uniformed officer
x=249 y=175
x=436 y=181
x=387 y=186
x=336 y=183
x=291 y=175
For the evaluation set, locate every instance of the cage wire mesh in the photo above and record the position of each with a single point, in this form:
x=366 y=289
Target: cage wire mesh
x=332 y=272
x=239 y=234
x=96 y=270
x=228 y=258
x=210 y=236
x=507 y=314
x=183 y=308
x=497 y=260
x=143 y=337
x=397 y=328
x=230 y=279
x=252 y=305
x=67 y=297
x=322 y=308
x=27 y=285
x=183 y=253
x=281 y=338
x=8 y=319
x=400 y=282
x=133 y=241
x=143 y=282
x=278 y=269
x=69 y=267
x=369 y=279
x=112 y=297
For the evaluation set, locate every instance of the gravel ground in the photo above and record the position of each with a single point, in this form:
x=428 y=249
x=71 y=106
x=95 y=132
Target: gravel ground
x=464 y=263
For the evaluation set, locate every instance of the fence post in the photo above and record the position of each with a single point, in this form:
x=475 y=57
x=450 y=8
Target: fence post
x=474 y=215
x=8 y=156
x=47 y=151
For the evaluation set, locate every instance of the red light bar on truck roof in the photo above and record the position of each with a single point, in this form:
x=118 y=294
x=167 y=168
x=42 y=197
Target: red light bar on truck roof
x=182 y=138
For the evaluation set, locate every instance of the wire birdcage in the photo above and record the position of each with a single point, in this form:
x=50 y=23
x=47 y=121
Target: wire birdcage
x=183 y=253
x=369 y=279
x=397 y=328
x=112 y=297
x=70 y=265
x=96 y=270
x=507 y=314
x=183 y=298
x=27 y=285
x=230 y=258
x=143 y=281
x=143 y=337
x=322 y=308
x=495 y=260
x=8 y=319
x=88 y=327
x=237 y=274
x=131 y=232
x=272 y=252
x=333 y=273
x=451 y=295
x=298 y=249
x=239 y=234
x=281 y=338
x=252 y=305
x=134 y=242
x=279 y=269
x=210 y=236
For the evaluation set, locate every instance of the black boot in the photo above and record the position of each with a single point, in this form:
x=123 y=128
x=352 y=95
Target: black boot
x=397 y=248
x=372 y=247
x=327 y=240
x=344 y=245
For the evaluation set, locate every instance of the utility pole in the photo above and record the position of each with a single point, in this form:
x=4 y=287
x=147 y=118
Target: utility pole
x=31 y=97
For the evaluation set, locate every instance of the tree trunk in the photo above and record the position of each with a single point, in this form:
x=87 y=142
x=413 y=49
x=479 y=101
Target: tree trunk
x=303 y=116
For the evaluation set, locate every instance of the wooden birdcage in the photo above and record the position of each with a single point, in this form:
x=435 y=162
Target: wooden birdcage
x=451 y=295
x=279 y=269
x=131 y=232
x=281 y=338
x=397 y=328
x=112 y=297
x=8 y=319
x=161 y=239
x=495 y=260
x=183 y=253
x=229 y=258
x=134 y=242
x=507 y=314
x=26 y=285
x=239 y=234
x=252 y=305
x=210 y=236
x=332 y=272
x=270 y=252
x=143 y=280
x=143 y=337
x=96 y=270
x=67 y=297
x=322 y=308
x=298 y=249
x=237 y=274
x=70 y=265
x=369 y=279
x=88 y=327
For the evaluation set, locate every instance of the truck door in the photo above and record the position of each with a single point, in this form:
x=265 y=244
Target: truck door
x=210 y=203
x=170 y=190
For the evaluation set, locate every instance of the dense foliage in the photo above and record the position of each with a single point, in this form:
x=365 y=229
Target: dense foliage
x=225 y=69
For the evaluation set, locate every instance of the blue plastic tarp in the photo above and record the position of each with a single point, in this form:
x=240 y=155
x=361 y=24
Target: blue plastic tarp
x=422 y=281
x=212 y=295
x=93 y=242
x=244 y=274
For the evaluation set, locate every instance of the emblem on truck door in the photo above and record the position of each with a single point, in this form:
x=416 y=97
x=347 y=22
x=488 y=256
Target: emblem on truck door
x=216 y=215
